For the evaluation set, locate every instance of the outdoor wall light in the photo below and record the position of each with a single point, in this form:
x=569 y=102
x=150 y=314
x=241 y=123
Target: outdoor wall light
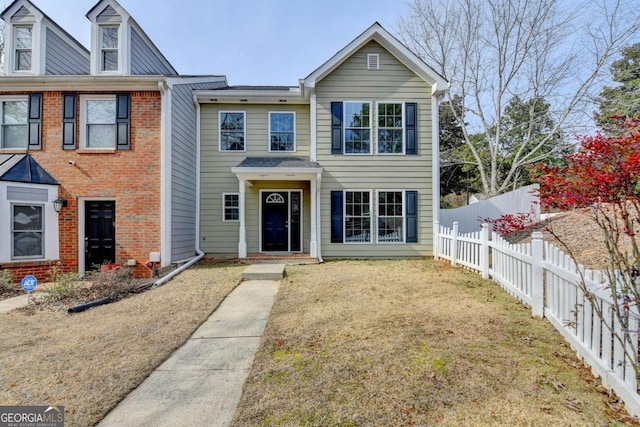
x=58 y=204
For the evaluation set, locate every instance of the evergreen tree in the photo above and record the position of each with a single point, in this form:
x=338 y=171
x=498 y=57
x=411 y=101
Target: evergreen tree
x=622 y=100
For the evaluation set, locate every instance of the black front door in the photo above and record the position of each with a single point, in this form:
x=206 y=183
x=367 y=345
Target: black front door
x=275 y=221
x=100 y=233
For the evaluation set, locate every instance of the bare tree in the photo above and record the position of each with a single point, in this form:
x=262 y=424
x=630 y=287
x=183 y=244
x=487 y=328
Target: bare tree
x=494 y=50
x=1 y=46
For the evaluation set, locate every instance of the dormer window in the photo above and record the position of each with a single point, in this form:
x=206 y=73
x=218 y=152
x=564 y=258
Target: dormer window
x=23 y=48
x=109 y=48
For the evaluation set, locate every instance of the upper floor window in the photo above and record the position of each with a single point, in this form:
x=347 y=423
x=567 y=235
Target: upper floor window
x=357 y=128
x=15 y=133
x=109 y=48
x=282 y=131
x=390 y=128
x=98 y=117
x=23 y=48
x=27 y=230
x=232 y=131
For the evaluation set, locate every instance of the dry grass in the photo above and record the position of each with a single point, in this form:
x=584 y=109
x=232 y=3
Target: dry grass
x=89 y=361
x=411 y=343
x=579 y=232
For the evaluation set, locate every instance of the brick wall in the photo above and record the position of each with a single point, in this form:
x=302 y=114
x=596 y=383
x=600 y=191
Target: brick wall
x=130 y=177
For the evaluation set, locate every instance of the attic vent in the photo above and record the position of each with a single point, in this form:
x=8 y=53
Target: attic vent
x=373 y=61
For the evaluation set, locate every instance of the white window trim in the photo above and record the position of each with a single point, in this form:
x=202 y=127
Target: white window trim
x=13 y=98
x=220 y=113
x=83 y=120
x=404 y=216
x=404 y=121
x=294 y=132
x=44 y=230
x=100 y=59
x=14 y=48
x=372 y=216
x=224 y=207
x=344 y=128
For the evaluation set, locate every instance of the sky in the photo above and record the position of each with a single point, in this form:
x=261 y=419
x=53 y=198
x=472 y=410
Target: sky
x=252 y=42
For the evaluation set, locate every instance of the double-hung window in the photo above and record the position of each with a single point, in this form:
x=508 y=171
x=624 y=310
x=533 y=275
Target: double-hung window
x=357 y=128
x=230 y=207
x=27 y=231
x=104 y=121
x=232 y=131
x=357 y=218
x=390 y=216
x=282 y=131
x=15 y=127
x=395 y=216
x=390 y=128
x=109 y=48
x=23 y=36
x=99 y=119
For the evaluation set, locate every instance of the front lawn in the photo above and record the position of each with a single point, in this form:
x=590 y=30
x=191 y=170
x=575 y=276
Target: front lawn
x=411 y=343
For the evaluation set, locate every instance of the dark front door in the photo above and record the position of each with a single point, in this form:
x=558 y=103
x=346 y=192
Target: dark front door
x=275 y=221
x=100 y=234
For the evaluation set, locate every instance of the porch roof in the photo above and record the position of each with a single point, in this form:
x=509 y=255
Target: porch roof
x=24 y=168
x=278 y=168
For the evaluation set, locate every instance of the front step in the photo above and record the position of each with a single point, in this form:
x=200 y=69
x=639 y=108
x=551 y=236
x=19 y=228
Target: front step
x=264 y=272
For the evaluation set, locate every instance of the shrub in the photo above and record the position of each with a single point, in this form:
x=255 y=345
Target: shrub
x=65 y=287
x=6 y=281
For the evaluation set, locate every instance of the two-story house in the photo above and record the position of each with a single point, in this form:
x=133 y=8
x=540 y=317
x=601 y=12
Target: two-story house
x=97 y=146
x=345 y=164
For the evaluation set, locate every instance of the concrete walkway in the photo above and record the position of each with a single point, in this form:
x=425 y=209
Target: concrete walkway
x=9 y=304
x=201 y=383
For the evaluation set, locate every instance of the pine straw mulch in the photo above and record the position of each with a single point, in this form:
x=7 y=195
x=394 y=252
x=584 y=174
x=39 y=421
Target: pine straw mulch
x=578 y=232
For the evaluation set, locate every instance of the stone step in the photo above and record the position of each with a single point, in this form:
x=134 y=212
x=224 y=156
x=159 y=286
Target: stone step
x=264 y=272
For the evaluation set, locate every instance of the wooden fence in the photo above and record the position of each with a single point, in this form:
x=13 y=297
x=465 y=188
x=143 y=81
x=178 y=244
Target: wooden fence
x=548 y=280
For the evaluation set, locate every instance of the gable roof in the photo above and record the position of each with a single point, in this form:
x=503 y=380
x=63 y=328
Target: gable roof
x=16 y=5
x=23 y=168
x=377 y=33
x=100 y=7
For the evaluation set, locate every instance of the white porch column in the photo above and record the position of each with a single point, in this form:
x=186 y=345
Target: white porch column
x=318 y=210
x=242 y=241
x=313 y=246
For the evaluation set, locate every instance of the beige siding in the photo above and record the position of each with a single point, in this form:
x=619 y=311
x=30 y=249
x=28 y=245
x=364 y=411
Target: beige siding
x=351 y=81
x=218 y=238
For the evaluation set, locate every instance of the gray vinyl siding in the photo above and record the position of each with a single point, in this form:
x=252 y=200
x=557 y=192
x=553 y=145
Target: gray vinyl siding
x=63 y=59
x=351 y=81
x=183 y=170
x=23 y=12
x=27 y=193
x=109 y=14
x=144 y=59
x=220 y=238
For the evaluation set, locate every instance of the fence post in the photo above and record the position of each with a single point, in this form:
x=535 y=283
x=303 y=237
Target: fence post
x=484 y=251
x=436 y=240
x=454 y=245
x=537 y=275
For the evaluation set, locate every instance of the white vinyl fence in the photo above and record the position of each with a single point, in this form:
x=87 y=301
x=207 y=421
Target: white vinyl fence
x=522 y=200
x=545 y=278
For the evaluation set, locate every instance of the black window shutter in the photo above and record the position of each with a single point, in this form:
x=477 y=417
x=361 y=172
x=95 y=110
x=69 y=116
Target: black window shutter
x=336 y=128
x=123 y=121
x=35 y=121
x=69 y=121
x=410 y=128
x=411 y=200
x=336 y=217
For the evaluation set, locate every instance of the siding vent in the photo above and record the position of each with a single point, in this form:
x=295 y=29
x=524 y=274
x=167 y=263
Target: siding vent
x=373 y=61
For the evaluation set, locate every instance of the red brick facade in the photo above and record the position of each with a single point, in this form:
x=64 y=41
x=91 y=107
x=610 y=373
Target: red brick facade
x=130 y=177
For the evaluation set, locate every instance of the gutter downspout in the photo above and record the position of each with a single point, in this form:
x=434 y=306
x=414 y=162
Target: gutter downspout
x=199 y=252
